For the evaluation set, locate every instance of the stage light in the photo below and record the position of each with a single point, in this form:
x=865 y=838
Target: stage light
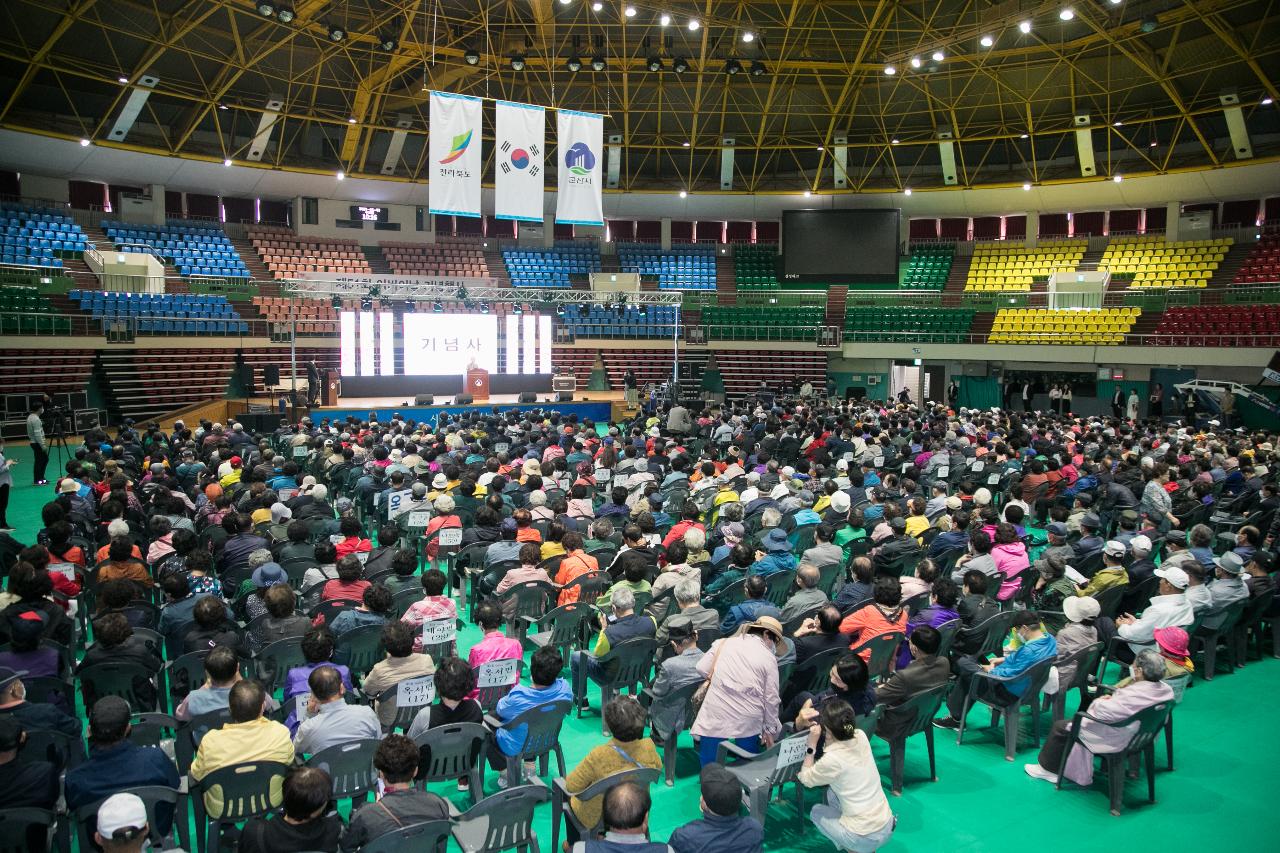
x=266 y=9
x=807 y=193
x=1026 y=187
x=986 y=41
x=894 y=141
x=655 y=63
x=1025 y=136
x=694 y=24
x=732 y=66
x=664 y=20
x=437 y=307
x=890 y=70
x=484 y=307
x=84 y=143
x=1266 y=102
x=1024 y=27
x=630 y=11
x=1066 y=14
x=757 y=68
x=471 y=57
x=285 y=14
x=223 y=107
x=915 y=62
x=336 y=33
x=460 y=293
x=1116 y=2
x=227 y=161
x=574 y=64
x=938 y=56
x=598 y=63
x=680 y=65
x=351 y=120
x=388 y=43
x=1149 y=24
x=565 y=2
x=748 y=37
x=684 y=144
x=517 y=62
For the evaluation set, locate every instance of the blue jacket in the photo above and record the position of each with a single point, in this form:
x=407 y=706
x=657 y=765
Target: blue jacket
x=747 y=611
x=718 y=834
x=119 y=768
x=521 y=699
x=1022 y=659
x=771 y=563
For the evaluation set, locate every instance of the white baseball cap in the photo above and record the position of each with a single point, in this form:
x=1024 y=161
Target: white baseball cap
x=121 y=812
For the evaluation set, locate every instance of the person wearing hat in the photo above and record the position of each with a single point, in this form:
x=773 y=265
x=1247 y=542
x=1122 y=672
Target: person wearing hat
x=1089 y=543
x=1258 y=571
x=1056 y=532
x=116 y=763
x=1079 y=632
x=1168 y=607
x=120 y=825
x=1111 y=574
x=1227 y=587
x=1174 y=646
x=1034 y=646
x=1146 y=689
x=31 y=783
x=721 y=829
x=742 y=697
x=774 y=554
x=1080 y=507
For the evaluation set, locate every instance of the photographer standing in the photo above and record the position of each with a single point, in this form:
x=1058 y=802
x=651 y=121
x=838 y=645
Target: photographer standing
x=39 y=444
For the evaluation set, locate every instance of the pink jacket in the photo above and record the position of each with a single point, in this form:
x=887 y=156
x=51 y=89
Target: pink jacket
x=743 y=698
x=1010 y=559
x=1097 y=739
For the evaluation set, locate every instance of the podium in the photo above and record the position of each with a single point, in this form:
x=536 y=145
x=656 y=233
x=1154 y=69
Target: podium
x=477 y=384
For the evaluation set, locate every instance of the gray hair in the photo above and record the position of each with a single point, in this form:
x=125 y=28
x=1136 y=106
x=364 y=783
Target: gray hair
x=770 y=518
x=602 y=528
x=623 y=599
x=731 y=512
x=260 y=557
x=809 y=575
x=1151 y=664
x=695 y=538
x=687 y=592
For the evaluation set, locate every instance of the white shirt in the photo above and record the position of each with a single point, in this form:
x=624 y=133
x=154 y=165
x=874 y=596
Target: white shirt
x=849 y=768
x=1162 y=612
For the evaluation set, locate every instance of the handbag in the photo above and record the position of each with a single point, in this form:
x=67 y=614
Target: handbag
x=700 y=695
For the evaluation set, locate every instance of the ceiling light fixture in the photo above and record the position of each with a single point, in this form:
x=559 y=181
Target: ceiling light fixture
x=655 y=63
x=684 y=144
x=1024 y=27
x=907 y=191
x=266 y=9
x=84 y=143
x=732 y=66
x=683 y=194
x=1118 y=178
x=1026 y=188
x=986 y=41
x=223 y=107
x=938 y=56
x=598 y=63
x=1067 y=14
x=807 y=193
x=893 y=141
x=680 y=65
x=819 y=148
x=1024 y=136
x=565 y=2
x=574 y=64
x=694 y=24
x=915 y=62
x=1266 y=102
x=757 y=68
x=123 y=79
x=630 y=11
x=890 y=70
x=664 y=20
x=596 y=7
x=517 y=62
x=336 y=33
x=285 y=14
x=351 y=120
x=388 y=43
x=341 y=175
x=471 y=57
x=748 y=37
x=226 y=162
x=1117 y=124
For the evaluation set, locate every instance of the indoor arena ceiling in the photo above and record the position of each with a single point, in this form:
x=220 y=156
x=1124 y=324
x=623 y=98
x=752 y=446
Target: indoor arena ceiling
x=1005 y=80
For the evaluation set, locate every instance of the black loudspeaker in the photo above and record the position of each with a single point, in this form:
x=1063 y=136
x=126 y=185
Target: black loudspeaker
x=528 y=397
x=260 y=422
x=271 y=375
x=463 y=400
x=424 y=400
x=564 y=397
x=244 y=378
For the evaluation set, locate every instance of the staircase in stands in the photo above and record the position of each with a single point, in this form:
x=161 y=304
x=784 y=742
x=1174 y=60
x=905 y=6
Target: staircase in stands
x=837 y=305
x=726 y=281
x=953 y=290
x=377 y=261
x=257 y=269
x=497 y=268
x=982 y=323
x=1225 y=274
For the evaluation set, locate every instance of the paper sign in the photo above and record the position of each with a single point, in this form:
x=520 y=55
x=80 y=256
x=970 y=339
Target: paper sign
x=501 y=447
x=67 y=570
x=300 y=706
x=335 y=538
x=450 y=537
x=301 y=451
x=416 y=692
x=944 y=472
x=878 y=461
x=398 y=502
x=286 y=495
x=362 y=556
x=791 y=751
x=603 y=475
x=905 y=466
x=419 y=517
x=993 y=479
x=848 y=457
x=976 y=465
x=438 y=632
x=498 y=673
x=1074 y=576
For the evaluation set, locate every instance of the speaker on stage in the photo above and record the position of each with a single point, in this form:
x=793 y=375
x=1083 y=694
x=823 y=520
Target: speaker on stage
x=463 y=400
x=564 y=397
x=528 y=397
x=424 y=400
x=244 y=378
x=271 y=375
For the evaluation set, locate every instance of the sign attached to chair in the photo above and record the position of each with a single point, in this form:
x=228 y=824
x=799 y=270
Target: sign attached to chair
x=416 y=692
x=398 y=502
x=67 y=570
x=791 y=751
x=454 y=151
x=419 y=518
x=450 y=537
x=498 y=673
x=437 y=632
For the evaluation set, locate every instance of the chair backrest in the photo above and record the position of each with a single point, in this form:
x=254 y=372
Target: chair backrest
x=788 y=757
x=112 y=678
x=1109 y=599
x=917 y=602
x=590 y=585
x=47 y=689
x=1036 y=675
x=531 y=598
x=947 y=631
x=734 y=593
x=543 y=722
x=246 y=789
x=276 y=659
x=1231 y=614
x=187 y=739
x=924 y=705
x=408 y=697
x=1150 y=721
x=403 y=599
x=707 y=636
x=828 y=576
x=495 y=679
x=58 y=748
x=884 y=648
x=350 y=765
x=815 y=675
x=780 y=586
x=151 y=795
x=331 y=608
x=1086 y=661
x=361 y=648
x=15 y=825
x=989 y=633
x=566 y=622
x=431 y=835
x=507 y=816
x=643 y=776
x=631 y=661
x=151 y=728
x=453 y=750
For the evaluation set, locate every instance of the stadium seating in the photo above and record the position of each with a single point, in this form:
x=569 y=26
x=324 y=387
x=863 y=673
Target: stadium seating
x=1062 y=325
x=190 y=247
x=550 y=267
x=285 y=254
x=162 y=313
x=756 y=323
x=442 y=259
x=36 y=236
x=1149 y=261
x=929 y=266
x=631 y=321
x=1263 y=264
x=314 y=316
x=926 y=324
x=754 y=267
x=1219 y=325
x=51 y=371
x=326 y=358
x=686 y=268
x=997 y=266
x=25 y=311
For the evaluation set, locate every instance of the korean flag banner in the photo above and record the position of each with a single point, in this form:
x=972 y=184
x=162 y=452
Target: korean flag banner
x=580 y=147
x=518 y=169
x=454 y=149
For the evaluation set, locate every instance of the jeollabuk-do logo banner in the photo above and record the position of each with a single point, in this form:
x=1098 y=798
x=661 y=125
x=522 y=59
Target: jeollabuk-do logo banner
x=454 y=151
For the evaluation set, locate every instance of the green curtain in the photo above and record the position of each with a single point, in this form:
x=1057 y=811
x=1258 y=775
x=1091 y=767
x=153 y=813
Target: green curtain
x=979 y=392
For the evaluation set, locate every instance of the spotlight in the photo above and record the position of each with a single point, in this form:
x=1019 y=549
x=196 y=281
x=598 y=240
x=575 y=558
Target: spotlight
x=684 y=194
x=471 y=57
x=680 y=65
x=630 y=11
x=517 y=62
x=227 y=161
x=84 y=143
x=986 y=41
x=807 y=193
x=748 y=37
x=1067 y=14
x=574 y=64
x=915 y=62
x=1116 y=2
x=655 y=63
x=684 y=144
x=1117 y=124
x=123 y=79
x=664 y=20
x=1118 y=178
x=938 y=56
x=336 y=33
x=890 y=70
x=341 y=175
x=266 y=9
x=388 y=42
x=757 y=68
x=694 y=24
x=1149 y=24
x=484 y=307
x=223 y=107
x=1024 y=27
x=598 y=63
x=565 y=2
x=1024 y=136
x=907 y=191
x=285 y=14
x=818 y=148
x=1026 y=187
x=732 y=66
x=351 y=120
x=893 y=141
x=1266 y=102
x=596 y=7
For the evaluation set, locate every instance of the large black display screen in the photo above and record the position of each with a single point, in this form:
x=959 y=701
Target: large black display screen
x=840 y=246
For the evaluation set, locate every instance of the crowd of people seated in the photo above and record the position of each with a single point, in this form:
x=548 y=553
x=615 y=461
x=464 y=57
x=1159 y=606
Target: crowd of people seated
x=792 y=579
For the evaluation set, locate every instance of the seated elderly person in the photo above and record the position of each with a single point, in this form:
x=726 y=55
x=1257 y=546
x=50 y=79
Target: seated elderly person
x=1146 y=689
x=622 y=624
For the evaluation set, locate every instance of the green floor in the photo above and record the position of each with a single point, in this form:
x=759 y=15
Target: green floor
x=1220 y=795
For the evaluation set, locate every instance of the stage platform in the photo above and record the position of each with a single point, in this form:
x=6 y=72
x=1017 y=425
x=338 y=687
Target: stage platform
x=599 y=406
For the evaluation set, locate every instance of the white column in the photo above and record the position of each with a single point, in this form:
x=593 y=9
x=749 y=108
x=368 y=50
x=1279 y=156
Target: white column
x=1033 y=228
x=666 y=235
x=157 y=204
x=1172 y=211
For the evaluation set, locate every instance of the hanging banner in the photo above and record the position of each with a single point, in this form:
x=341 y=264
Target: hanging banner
x=454 y=149
x=580 y=146
x=518 y=169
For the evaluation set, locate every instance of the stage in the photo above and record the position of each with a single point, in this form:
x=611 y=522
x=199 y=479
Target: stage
x=599 y=406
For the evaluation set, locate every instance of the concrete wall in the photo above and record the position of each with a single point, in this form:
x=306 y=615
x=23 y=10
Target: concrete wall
x=331 y=209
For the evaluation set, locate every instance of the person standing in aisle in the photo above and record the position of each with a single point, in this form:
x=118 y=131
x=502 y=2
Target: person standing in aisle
x=1117 y=403
x=39 y=443
x=1155 y=402
x=6 y=482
